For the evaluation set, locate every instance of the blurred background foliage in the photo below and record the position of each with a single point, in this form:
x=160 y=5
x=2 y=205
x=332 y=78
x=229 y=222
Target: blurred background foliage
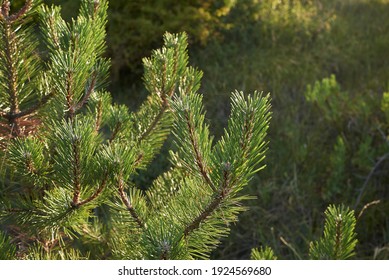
x=326 y=64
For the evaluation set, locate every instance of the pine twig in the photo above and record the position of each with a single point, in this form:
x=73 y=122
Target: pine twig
x=76 y=173
x=198 y=157
x=4 y=10
x=115 y=131
x=12 y=77
x=127 y=203
x=89 y=91
x=213 y=205
x=17 y=16
x=32 y=109
x=155 y=121
x=367 y=206
x=96 y=193
x=69 y=95
x=164 y=94
x=99 y=116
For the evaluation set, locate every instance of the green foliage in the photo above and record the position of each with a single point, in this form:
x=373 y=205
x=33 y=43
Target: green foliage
x=134 y=33
x=265 y=253
x=339 y=240
x=385 y=105
x=7 y=248
x=19 y=71
x=70 y=191
x=337 y=166
x=326 y=95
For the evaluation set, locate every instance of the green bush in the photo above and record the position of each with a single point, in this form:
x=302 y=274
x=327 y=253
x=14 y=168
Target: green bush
x=135 y=28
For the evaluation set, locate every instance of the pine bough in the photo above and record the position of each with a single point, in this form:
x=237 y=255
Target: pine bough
x=70 y=156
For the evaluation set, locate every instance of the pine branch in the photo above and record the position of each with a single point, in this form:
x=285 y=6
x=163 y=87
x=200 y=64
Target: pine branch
x=69 y=95
x=339 y=240
x=154 y=123
x=243 y=143
x=89 y=91
x=76 y=65
x=229 y=165
x=164 y=94
x=4 y=11
x=127 y=203
x=11 y=59
x=198 y=156
x=115 y=131
x=103 y=184
x=76 y=171
x=31 y=110
x=7 y=248
x=213 y=205
x=192 y=137
x=99 y=115
x=163 y=72
x=10 y=51
x=19 y=68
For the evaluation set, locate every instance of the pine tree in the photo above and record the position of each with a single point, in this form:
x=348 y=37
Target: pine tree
x=70 y=155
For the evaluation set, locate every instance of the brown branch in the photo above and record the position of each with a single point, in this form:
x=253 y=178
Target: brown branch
x=198 y=157
x=29 y=165
x=12 y=77
x=4 y=10
x=374 y=202
x=115 y=131
x=96 y=5
x=76 y=173
x=213 y=205
x=248 y=133
x=127 y=203
x=32 y=109
x=163 y=93
x=17 y=16
x=88 y=93
x=69 y=95
x=99 y=115
x=138 y=159
x=71 y=106
x=96 y=193
x=155 y=121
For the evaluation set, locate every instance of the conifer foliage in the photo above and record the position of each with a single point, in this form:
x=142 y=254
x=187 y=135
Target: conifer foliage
x=70 y=155
x=339 y=240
